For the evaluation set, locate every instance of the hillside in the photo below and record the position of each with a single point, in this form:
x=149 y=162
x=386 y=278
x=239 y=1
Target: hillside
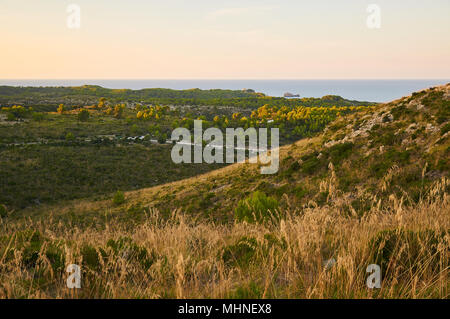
x=402 y=147
x=399 y=148
x=49 y=97
x=371 y=189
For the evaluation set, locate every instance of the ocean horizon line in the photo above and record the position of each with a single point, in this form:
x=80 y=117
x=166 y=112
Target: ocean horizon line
x=223 y=79
x=375 y=90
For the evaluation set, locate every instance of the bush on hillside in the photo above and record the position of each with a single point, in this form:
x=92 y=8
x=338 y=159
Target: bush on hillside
x=119 y=198
x=408 y=250
x=257 y=208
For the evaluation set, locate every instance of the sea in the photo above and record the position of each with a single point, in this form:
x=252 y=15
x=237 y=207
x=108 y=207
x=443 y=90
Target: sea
x=361 y=90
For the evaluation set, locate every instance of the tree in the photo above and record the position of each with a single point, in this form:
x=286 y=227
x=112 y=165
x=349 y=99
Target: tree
x=101 y=102
x=162 y=138
x=61 y=109
x=118 y=111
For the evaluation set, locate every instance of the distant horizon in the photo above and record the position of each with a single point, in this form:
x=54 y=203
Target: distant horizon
x=375 y=90
x=226 y=79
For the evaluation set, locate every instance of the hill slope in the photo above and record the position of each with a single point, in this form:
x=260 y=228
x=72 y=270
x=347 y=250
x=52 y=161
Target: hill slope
x=383 y=200
x=400 y=148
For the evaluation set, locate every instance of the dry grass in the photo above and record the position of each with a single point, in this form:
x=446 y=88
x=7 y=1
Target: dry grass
x=181 y=258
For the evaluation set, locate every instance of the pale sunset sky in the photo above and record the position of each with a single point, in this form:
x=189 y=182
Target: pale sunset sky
x=233 y=39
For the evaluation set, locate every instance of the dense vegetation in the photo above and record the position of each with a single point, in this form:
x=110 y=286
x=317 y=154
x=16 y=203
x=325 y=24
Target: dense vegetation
x=399 y=148
x=83 y=95
x=79 y=151
x=34 y=174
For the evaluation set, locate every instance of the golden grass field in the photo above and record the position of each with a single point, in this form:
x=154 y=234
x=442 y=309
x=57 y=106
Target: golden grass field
x=187 y=259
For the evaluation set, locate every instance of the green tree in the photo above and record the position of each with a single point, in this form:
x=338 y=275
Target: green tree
x=101 y=102
x=118 y=111
x=61 y=109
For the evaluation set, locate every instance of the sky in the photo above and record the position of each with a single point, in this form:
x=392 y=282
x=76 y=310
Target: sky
x=209 y=39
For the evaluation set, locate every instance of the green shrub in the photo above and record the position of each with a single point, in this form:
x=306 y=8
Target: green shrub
x=300 y=192
x=32 y=242
x=388 y=159
x=83 y=115
x=55 y=253
x=340 y=151
x=38 y=116
x=388 y=138
x=271 y=240
x=361 y=206
x=241 y=253
x=248 y=291
x=295 y=166
x=257 y=208
x=17 y=112
x=11 y=117
x=443 y=165
x=118 y=198
x=346 y=180
x=408 y=249
x=162 y=138
x=135 y=213
x=311 y=165
x=205 y=202
x=441 y=118
x=126 y=248
x=321 y=197
x=400 y=157
x=91 y=258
